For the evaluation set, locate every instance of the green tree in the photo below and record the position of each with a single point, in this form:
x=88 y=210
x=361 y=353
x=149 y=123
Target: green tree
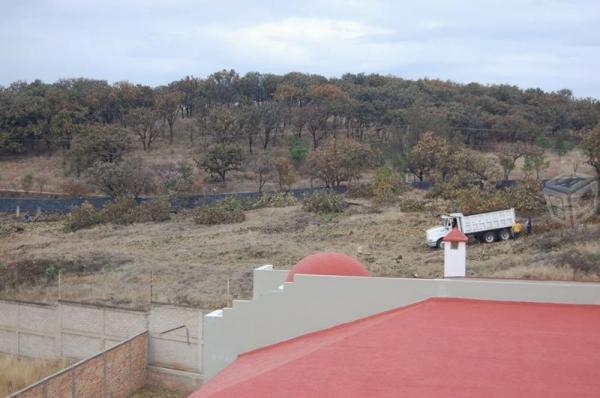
x=97 y=143
x=286 y=175
x=126 y=178
x=263 y=166
x=431 y=156
x=339 y=160
x=222 y=123
x=168 y=103
x=220 y=159
x=535 y=162
x=144 y=123
x=509 y=153
x=591 y=148
x=387 y=185
x=298 y=149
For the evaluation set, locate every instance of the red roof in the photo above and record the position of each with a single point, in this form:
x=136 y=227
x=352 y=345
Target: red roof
x=328 y=263
x=455 y=236
x=436 y=348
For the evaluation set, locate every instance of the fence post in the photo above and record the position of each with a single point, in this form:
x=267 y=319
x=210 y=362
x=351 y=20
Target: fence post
x=151 y=284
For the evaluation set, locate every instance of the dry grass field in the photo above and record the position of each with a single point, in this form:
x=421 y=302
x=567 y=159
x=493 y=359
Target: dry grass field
x=17 y=373
x=206 y=266
x=156 y=392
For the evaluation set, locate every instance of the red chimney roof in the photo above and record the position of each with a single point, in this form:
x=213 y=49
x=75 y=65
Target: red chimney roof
x=436 y=348
x=455 y=236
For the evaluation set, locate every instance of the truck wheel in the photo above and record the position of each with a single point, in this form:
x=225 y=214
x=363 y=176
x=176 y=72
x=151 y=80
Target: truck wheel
x=504 y=234
x=440 y=243
x=489 y=237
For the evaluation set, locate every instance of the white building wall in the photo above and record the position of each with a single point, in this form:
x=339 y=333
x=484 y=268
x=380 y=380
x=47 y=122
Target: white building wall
x=267 y=279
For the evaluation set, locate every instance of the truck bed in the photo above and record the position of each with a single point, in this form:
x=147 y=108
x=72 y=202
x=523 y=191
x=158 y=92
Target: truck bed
x=489 y=221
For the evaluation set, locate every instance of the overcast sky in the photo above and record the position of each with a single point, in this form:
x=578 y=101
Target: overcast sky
x=531 y=43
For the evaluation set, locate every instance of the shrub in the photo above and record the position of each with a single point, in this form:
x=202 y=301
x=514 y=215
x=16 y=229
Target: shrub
x=226 y=211
x=51 y=272
x=387 y=184
x=27 y=182
x=324 y=202
x=581 y=262
x=179 y=180
x=360 y=190
x=84 y=216
x=525 y=196
x=156 y=210
x=122 y=211
x=278 y=199
x=413 y=205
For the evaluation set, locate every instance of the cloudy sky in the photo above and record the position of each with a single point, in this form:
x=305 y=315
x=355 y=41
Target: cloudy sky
x=531 y=43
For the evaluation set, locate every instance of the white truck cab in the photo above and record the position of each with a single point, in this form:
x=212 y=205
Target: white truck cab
x=487 y=226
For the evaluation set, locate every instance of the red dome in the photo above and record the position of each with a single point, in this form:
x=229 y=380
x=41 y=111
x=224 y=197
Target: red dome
x=328 y=263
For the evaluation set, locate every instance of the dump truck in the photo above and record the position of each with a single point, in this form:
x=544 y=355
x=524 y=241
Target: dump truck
x=489 y=227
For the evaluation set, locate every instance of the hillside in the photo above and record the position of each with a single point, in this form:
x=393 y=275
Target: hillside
x=206 y=266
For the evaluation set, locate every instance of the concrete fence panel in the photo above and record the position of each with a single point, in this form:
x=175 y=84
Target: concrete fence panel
x=76 y=331
x=37 y=318
x=83 y=319
x=175 y=336
x=9 y=314
x=76 y=346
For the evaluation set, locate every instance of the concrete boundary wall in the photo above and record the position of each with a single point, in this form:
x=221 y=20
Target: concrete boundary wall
x=76 y=331
x=115 y=372
x=314 y=302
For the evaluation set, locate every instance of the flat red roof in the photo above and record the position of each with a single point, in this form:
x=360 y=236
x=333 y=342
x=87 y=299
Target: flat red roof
x=436 y=348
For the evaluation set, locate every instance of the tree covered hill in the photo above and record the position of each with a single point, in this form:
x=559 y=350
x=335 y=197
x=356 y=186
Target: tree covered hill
x=254 y=109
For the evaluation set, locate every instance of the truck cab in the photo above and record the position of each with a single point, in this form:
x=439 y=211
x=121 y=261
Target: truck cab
x=435 y=235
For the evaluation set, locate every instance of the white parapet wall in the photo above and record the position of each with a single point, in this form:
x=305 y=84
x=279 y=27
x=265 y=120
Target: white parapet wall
x=267 y=279
x=314 y=302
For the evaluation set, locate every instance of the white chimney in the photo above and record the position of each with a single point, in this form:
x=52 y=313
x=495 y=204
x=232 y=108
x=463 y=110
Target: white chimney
x=455 y=254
